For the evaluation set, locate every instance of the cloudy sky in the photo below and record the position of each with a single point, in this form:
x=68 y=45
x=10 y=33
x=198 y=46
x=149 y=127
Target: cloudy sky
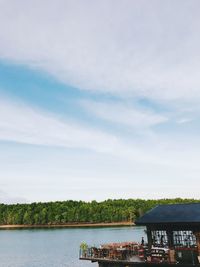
x=99 y=99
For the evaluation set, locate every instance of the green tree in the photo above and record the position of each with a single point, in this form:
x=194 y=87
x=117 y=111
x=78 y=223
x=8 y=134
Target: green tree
x=27 y=218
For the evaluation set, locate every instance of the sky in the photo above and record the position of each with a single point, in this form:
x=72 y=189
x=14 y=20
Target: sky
x=99 y=99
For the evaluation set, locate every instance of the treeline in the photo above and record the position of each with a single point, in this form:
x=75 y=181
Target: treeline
x=63 y=212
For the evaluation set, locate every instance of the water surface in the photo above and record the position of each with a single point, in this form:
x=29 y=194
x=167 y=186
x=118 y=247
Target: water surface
x=57 y=247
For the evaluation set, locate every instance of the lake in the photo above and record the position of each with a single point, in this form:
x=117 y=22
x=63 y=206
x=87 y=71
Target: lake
x=57 y=247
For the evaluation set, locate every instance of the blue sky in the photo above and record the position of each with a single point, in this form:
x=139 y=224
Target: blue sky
x=99 y=100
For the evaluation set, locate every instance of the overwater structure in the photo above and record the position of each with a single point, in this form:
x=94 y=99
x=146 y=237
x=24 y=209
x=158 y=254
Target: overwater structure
x=173 y=239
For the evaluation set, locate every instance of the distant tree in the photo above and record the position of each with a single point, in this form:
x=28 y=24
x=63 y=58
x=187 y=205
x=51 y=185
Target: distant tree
x=27 y=218
x=115 y=210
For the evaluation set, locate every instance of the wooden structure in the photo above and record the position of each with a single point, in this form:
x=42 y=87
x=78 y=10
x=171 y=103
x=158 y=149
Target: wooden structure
x=177 y=227
x=173 y=234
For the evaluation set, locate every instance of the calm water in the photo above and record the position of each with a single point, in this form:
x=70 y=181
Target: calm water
x=57 y=247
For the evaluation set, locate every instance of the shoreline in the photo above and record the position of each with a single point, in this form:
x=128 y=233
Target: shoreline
x=68 y=225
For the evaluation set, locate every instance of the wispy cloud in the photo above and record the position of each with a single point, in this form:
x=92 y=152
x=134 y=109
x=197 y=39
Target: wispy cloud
x=111 y=158
x=24 y=124
x=125 y=47
x=124 y=114
x=121 y=52
x=184 y=120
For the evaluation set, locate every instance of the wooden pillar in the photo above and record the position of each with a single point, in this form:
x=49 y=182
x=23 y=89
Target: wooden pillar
x=170 y=238
x=197 y=234
x=149 y=238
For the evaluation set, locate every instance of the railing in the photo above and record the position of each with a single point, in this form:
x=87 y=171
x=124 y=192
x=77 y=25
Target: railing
x=127 y=253
x=139 y=253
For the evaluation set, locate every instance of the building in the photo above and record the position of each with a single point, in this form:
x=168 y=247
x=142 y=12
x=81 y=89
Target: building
x=173 y=234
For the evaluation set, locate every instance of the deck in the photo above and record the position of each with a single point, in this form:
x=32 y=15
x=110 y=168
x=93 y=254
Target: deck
x=128 y=263
x=134 y=254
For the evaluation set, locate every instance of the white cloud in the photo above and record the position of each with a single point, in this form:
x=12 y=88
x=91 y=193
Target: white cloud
x=124 y=114
x=184 y=120
x=23 y=124
x=145 y=48
x=105 y=160
x=129 y=48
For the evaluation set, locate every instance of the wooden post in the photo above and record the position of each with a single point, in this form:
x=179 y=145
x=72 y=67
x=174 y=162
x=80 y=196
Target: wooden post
x=149 y=238
x=170 y=239
x=197 y=234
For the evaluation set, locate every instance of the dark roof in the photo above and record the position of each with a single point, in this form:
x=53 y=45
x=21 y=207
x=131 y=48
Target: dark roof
x=173 y=213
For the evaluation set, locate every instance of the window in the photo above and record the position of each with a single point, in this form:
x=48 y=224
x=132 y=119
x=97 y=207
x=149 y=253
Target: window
x=184 y=239
x=159 y=238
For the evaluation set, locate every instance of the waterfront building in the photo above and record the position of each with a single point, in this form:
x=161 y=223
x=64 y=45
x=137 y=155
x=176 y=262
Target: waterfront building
x=173 y=238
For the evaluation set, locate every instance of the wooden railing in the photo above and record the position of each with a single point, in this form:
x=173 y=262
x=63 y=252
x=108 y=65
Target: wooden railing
x=114 y=251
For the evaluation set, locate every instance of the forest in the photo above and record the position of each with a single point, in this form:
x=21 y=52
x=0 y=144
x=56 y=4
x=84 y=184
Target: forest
x=63 y=212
